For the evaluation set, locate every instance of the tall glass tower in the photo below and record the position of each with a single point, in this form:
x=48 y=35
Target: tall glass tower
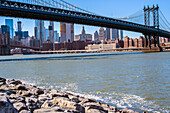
x=40 y=30
x=9 y=22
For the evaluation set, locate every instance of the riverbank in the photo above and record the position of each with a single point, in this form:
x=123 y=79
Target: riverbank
x=58 y=56
x=16 y=96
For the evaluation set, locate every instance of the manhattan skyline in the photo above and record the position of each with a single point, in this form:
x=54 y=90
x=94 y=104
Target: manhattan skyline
x=114 y=9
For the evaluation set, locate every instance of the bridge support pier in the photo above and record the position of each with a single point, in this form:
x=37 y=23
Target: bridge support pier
x=149 y=41
x=147 y=44
x=145 y=41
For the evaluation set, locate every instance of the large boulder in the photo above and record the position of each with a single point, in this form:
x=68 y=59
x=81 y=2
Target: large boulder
x=21 y=87
x=20 y=106
x=48 y=110
x=47 y=104
x=6 y=106
x=16 y=98
x=65 y=102
x=2 y=81
x=14 y=82
x=32 y=103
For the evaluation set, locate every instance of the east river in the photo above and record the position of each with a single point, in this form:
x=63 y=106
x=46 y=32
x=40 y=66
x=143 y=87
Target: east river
x=135 y=81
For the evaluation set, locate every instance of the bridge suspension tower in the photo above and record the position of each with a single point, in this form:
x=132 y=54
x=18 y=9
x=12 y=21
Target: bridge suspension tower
x=148 y=22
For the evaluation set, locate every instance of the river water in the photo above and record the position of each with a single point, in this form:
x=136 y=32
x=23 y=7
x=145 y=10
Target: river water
x=135 y=81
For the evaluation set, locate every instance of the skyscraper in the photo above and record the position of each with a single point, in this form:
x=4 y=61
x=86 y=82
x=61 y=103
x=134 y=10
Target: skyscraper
x=19 y=33
x=47 y=34
x=63 y=31
x=101 y=34
x=41 y=30
x=9 y=22
x=67 y=32
x=108 y=33
x=19 y=26
x=114 y=33
x=121 y=34
x=56 y=36
x=96 y=36
x=0 y=31
x=25 y=34
x=51 y=32
x=36 y=32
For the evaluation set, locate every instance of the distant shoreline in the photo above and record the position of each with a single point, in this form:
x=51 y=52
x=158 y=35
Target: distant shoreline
x=52 y=56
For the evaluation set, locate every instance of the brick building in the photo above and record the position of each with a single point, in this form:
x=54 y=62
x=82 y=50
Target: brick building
x=135 y=42
x=126 y=42
x=131 y=43
x=141 y=42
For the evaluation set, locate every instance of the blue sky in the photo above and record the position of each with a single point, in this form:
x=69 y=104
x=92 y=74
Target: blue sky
x=109 y=8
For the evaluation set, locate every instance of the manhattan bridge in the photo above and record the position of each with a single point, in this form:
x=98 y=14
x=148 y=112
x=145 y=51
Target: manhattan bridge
x=150 y=21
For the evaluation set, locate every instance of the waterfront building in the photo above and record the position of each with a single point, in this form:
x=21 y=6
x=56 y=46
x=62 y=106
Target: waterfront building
x=141 y=42
x=96 y=36
x=40 y=30
x=66 y=32
x=163 y=40
x=135 y=42
x=167 y=40
x=9 y=22
x=83 y=36
x=101 y=34
x=34 y=42
x=131 y=43
x=126 y=41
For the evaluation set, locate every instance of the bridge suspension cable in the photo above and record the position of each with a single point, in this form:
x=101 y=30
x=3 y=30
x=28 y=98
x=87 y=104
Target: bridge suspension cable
x=136 y=17
x=164 y=17
x=164 y=23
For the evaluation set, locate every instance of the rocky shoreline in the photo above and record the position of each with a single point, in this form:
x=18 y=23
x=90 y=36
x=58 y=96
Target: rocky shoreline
x=17 y=97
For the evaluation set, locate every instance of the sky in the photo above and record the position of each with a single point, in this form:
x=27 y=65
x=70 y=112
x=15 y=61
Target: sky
x=108 y=8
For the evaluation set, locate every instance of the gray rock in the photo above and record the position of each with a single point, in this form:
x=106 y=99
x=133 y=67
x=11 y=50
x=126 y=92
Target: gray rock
x=32 y=103
x=37 y=91
x=74 y=98
x=15 y=98
x=21 y=87
x=42 y=98
x=24 y=93
x=20 y=106
x=14 y=82
x=65 y=102
x=94 y=106
x=2 y=81
x=6 y=106
x=49 y=110
x=47 y=104
x=55 y=93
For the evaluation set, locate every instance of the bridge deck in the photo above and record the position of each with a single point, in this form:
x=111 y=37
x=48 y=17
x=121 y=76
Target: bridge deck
x=23 y=10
